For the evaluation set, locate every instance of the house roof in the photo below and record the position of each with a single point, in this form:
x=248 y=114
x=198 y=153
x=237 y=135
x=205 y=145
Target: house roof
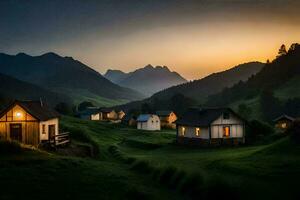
x=284 y=116
x=202 y=117
x=106 y=110
x=163 y=113
x=37 y=109
x=144 y=117
x=90 y=111
x=129 y=117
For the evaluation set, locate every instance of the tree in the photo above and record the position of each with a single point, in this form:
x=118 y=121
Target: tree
x=282 y=51
x=294 y=131
x=245 y=111
x=84 y=105
x=294 y=46
x=146 y=108
x=270 y=106
x=64 y=108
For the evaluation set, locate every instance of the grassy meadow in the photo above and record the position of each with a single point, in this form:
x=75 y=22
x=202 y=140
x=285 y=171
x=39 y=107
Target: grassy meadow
x=128 y=164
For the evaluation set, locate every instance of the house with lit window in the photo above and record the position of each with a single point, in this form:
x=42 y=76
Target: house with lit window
x=109 y=114
x=148 y=122
x=91 y=113
x=167 y=118
x=29 y=122
x=283 y=122
x=211 y=126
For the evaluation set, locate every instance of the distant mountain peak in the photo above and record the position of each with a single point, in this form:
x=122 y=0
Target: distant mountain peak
x=22 y=54
x=149 y=66
x=51 y=55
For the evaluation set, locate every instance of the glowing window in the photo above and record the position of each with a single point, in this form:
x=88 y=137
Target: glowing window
x=43 y=129
x=226 y=131
x=283 y=125
x=197 y=131
x=18 y=114
x=183 y=131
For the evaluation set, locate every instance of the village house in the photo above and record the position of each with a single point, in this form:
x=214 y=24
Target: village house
x=283 y=122
x=29 y=122
x=129 y=120
x=91 y=113
x=148 y=122
x=167 y=118
x=109 y=114
x=214 y=126
x=121 y=114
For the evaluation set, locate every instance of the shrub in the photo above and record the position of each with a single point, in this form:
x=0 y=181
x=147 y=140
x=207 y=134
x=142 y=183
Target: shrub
x=9 y=147
x=177 y=178
x=192 y=185
x=257 y=130
x=217 y=184
x=294 y=131
x=167 y=174
x=142 y=166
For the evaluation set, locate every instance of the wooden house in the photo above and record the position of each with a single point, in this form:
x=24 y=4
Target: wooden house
x=167 y=118
x=29 y=122
x=283 y=122
x=109 y=114
x=129 y=120
x=121 y=114
x=212 y=126
x=148 y=122
x=91 y=113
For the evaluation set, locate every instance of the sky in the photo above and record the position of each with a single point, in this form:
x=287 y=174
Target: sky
x=193 y=37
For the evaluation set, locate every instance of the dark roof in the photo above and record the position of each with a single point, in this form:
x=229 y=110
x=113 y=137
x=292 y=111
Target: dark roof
x=129 y=117
x=284 y=116
x=202 y=117
x=37 y=109
x=106 y=110
x=163 y=113
x=90 y=111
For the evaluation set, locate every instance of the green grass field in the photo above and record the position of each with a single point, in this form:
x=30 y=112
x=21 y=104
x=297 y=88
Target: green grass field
x=135 y=164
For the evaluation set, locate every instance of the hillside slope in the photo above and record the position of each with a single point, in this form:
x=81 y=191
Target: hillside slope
x=214 y=83
x=11 y=88
x=147 y=80
x=62 y=73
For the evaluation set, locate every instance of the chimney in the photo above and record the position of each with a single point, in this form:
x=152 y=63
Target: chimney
x=41 y=102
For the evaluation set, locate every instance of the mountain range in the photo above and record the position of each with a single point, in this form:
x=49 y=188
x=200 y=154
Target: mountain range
x=64 y=75
x=199 y=90
x=147 y=80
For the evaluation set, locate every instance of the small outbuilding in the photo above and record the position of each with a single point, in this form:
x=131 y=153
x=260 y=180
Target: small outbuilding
x=121 y=114
x=109 y=114
x=129 y=120
x=29 y=122
x=167 y=118
x=148 y=122
x=91 y=113
x=283 y=122
x=212 y=126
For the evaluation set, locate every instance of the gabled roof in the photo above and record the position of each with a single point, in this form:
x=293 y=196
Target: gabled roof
x=163 y=113
x=144 y=117
x=90 y=111
x=129 y=117
x=202 y=117
x=284 y=116
x=106 y=110
x=37 y=109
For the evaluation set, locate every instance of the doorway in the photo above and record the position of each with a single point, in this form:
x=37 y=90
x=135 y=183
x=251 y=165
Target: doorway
x=16 y=132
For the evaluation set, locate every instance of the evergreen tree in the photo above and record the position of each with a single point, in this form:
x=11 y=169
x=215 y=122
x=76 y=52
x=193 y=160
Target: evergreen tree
x=282 y=51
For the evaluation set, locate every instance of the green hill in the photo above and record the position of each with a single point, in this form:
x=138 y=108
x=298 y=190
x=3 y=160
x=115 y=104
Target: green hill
x=275 y=89
x=59 y=74
x=11 y=88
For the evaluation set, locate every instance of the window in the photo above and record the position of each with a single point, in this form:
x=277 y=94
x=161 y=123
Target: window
x=283 y=125
x=43 y=129
x=197 y=131
x=226 y=115
x=152 y=121
x=182 y=131
x=226 y=131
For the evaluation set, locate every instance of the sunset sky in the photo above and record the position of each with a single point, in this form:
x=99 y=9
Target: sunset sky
x=194 y=38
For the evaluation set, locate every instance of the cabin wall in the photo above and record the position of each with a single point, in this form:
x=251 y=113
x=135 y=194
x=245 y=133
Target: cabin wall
x=190 y=132
x=235 y=124
x=45 y=135
x=236 y=131
x=96 y=117
x=121 y=115
x=151 y=125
